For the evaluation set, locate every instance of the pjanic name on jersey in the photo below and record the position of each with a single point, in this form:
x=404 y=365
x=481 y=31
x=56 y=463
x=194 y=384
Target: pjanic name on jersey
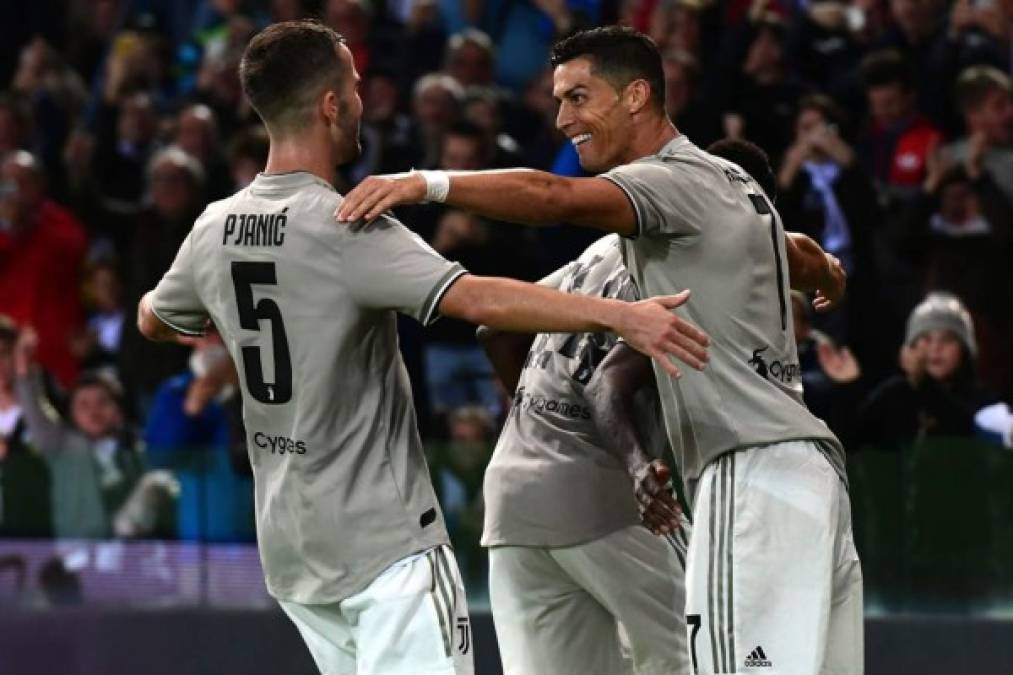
x=255 y=229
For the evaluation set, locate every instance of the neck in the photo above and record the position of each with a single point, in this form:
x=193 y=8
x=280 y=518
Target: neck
x=309 y=151
x=650 y=138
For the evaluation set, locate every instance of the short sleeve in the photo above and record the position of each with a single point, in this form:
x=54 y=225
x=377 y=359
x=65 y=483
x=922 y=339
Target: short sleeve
x=175 y=301
x=389 y=267
x=661 y=201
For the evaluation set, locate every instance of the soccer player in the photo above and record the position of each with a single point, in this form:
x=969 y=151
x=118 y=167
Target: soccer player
x=351 y=538
x=772 y=577
x=568 y=557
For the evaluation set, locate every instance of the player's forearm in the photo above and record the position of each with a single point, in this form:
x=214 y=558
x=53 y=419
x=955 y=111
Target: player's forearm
x=149 y=325
x=519 y=307
x=522 y=196
x=611 y=396
x=507 y=353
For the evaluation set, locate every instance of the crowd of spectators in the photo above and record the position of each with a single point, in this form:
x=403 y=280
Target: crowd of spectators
x=889 y=125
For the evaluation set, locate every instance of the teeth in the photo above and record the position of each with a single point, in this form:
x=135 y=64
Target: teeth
x=582 y=138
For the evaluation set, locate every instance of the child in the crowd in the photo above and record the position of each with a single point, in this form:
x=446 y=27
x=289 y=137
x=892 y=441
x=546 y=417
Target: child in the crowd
x=939 y=392
x=94 y=462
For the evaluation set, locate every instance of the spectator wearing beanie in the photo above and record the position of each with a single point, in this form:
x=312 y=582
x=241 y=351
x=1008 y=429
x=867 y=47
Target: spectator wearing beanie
x=938 y=393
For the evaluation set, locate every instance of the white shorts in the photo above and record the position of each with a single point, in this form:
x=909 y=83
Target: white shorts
x=610 y=606
x=774 y=585
x=411 y=620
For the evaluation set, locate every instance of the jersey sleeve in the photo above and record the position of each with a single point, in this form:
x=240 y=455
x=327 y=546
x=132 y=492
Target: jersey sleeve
x=390 y=267
x=175 y=301
x=663 y=205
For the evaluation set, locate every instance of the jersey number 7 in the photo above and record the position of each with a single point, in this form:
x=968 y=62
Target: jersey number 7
x=244 y=276
x=763 y=208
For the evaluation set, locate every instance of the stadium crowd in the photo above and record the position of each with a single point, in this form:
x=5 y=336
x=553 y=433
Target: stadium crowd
x=889 y=124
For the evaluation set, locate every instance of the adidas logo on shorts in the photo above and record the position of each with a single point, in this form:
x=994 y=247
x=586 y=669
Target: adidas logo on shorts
x=757 y=659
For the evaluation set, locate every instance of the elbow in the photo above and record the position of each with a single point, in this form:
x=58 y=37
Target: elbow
x=144 y=322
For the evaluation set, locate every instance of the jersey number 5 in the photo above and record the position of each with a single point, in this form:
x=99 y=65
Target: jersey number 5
x=244 y=276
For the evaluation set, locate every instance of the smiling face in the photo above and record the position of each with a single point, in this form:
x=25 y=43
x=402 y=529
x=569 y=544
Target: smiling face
x=95 y=412
x=592 y=115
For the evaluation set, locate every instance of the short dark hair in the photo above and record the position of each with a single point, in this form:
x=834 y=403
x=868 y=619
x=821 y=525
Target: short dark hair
x=286 y=65
x=619 y=55
x=751 y=158
x=886 y=67
x=102 y=379
x=977 y=82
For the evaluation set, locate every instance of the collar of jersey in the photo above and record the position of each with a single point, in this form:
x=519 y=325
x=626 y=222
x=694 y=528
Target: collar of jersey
x=674 y=145
x=288 y=180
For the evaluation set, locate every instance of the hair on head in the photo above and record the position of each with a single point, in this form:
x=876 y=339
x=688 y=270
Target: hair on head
x=286 y=66
x=619 y=55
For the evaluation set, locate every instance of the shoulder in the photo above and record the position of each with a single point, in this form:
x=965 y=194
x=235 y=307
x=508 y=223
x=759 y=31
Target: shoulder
x=651 y=170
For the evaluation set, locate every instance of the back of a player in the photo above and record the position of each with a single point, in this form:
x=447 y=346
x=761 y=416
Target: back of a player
x=773 y=580
x=307 y=311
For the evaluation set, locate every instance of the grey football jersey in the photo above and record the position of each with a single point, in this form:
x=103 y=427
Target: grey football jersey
x=307 y=310
x=704 y=224
x=550 y=481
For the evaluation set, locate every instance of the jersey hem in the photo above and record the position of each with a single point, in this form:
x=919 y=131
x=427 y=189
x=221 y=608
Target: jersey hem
x=174 y=326
x=431 y=307
x=345 y=590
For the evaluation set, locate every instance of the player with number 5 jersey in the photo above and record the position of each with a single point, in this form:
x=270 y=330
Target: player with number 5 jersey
x=351 y=538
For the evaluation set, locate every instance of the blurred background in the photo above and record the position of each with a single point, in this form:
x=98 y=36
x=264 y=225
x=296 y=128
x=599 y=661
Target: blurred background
x=126 y=523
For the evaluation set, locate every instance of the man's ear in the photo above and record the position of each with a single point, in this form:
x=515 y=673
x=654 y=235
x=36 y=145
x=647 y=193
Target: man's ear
x=637 y=96
x=330 y=107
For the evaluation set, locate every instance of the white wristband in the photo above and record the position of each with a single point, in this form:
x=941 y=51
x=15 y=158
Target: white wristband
x=437 y=185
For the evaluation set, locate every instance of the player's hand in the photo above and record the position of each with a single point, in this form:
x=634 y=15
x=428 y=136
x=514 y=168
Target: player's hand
x=835 y=282
x=650 y=327
x=659 y=509
x=377 y=194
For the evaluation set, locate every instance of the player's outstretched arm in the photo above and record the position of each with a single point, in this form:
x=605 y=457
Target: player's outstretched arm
x=507 y=352
x=813 y=269
x=610 y=393
x=515 y=195
x=649 y=325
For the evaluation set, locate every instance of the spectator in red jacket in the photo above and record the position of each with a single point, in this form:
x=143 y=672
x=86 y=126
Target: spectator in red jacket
x=899 y=137
x=42 y=246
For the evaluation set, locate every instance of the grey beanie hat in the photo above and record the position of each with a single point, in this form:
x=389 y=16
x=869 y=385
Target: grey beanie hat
x=942 y=311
